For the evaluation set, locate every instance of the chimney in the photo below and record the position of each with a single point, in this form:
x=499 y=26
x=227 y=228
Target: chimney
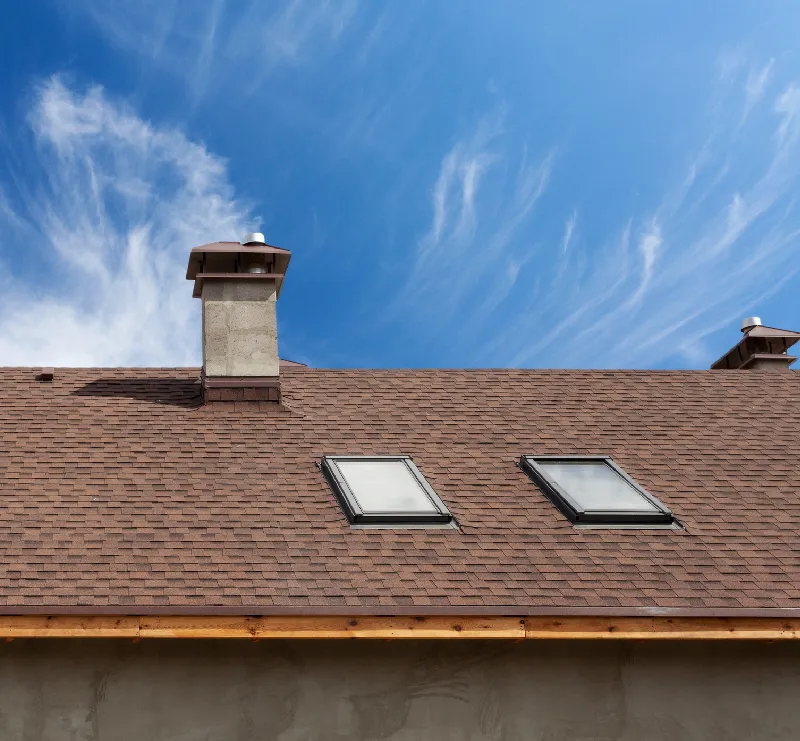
x=761 y=348
x=239 y=283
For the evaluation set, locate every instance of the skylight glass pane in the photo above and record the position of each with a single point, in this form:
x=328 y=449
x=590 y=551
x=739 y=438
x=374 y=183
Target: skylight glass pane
x=594 y=486
x=385 y=486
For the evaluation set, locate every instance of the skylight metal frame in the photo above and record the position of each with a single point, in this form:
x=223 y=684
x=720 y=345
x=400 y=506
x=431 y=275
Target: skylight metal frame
x=572 y=510
x=357 y=515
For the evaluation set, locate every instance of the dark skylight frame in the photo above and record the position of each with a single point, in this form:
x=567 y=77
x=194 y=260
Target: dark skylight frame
x=652 y=512
x=436 y=514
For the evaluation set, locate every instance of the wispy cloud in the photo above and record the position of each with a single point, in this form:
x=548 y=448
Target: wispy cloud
x=755 y=88
x=454 y=192
x=649 y=249
x=722 y=239
x=569 y=230
x=787 y=106
x=292 y=32
x=109 y=218
x=208 y=44
x=478 y=208
x=699 y=269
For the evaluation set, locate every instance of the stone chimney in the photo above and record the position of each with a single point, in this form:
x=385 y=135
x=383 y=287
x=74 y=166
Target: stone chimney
x=239 y=283
x=761 y=348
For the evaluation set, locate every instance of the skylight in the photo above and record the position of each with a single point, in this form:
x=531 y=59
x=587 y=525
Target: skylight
x=383 y=489
x=593 y=489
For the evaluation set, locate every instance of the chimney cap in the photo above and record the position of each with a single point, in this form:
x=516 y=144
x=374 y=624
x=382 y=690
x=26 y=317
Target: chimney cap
x=750 y=322
x=761 y=348
x=253 y=238
x=227 y=252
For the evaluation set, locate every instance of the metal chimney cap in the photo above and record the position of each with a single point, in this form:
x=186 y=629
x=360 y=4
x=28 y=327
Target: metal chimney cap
x=750 y=322
x=253 y=238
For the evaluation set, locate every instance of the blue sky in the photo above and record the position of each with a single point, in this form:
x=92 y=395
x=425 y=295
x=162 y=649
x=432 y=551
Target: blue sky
x=462 y=184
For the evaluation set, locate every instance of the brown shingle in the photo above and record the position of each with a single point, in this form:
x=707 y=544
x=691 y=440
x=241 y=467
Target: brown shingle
x=121 y=492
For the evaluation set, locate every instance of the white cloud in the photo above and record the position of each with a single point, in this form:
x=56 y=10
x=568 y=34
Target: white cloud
x=722 y=239
x=788 y=106
x=730 y=62
x=701 y=268
x=117 y=205
x=455 y=190
x=757 y=83
x=474 y=225
x=207 y=44
x=293 y=31
x=569 y=229
x=755 y=87
x=649 y=248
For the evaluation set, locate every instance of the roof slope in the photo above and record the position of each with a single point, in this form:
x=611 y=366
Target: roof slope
x=120 y=493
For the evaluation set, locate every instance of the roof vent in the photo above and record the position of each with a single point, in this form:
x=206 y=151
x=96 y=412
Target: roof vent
x=750 y=322
x=253 y=238
x=761 y=348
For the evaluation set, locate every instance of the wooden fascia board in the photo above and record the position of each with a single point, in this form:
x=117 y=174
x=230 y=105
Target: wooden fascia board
x=659 y=628
x=337 y=627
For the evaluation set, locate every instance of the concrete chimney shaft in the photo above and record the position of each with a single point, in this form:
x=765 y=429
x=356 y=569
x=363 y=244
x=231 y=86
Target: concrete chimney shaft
x=240 y=329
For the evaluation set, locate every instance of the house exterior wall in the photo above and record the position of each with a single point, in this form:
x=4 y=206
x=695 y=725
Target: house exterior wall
x=115 y=690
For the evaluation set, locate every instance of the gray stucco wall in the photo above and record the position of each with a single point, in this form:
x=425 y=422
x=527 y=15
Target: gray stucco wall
x=109 y=690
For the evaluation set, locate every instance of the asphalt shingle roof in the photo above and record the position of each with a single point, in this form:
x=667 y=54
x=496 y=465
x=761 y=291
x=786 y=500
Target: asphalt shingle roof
x=120 y=492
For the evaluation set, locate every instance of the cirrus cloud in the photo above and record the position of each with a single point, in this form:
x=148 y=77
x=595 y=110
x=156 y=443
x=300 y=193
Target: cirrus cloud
x=109 y=209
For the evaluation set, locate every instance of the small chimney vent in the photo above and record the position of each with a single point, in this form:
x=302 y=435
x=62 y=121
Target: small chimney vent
x=750 y=322
x=253 y=238
x=761 y=348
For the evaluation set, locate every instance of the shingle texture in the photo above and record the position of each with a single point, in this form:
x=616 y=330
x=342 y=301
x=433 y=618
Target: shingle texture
x=122 y=493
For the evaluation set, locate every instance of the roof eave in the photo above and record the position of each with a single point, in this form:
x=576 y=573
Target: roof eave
x=464 y=626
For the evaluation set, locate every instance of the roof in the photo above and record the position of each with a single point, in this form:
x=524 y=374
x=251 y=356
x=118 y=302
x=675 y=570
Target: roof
x=122 y=494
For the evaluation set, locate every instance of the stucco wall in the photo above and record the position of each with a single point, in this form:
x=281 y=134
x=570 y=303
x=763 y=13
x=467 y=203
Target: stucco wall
x=107 y=690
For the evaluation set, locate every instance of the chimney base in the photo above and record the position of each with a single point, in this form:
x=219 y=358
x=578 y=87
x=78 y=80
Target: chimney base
x=241 y=388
